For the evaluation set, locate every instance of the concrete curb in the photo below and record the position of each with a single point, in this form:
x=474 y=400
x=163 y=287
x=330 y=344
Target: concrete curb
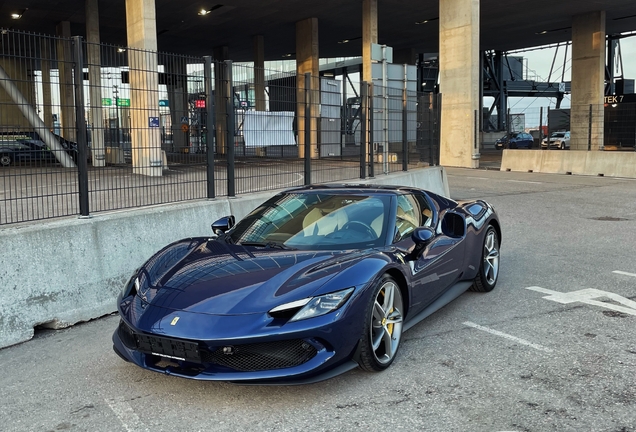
x=61 y=272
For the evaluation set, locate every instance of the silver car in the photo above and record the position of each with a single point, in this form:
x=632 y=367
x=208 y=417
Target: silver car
x=558 y=140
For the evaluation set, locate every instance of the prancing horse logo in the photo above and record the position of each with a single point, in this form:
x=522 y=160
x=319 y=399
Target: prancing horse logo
x=175 y=320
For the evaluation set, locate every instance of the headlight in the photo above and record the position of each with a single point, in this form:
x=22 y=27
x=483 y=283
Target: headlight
x=314 y=306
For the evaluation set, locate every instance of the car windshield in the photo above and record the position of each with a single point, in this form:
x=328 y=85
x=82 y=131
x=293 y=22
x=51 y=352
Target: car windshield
x=558 y=135
x=316 y=220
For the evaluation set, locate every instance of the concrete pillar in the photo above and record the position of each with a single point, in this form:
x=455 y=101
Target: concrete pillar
x=46 y=56
x=95 y=79
x=144 y=87
x=177 y=71
x=67 y=89
x=459 y=80
x=259 y=72
x=369 y=35
x=11 y=117
x=588 y=75
x=220 y=55
x=307 y=60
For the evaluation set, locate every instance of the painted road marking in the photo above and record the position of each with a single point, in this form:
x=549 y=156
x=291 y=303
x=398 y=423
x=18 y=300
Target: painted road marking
x=124 y=412
x=588 y=296
x=507 y=336
x=525 y=181
x=624 y=273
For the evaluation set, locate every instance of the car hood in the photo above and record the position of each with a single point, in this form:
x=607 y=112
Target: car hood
x=214 y=277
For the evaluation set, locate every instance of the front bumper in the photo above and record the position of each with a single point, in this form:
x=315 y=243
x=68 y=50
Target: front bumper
x=256 y=349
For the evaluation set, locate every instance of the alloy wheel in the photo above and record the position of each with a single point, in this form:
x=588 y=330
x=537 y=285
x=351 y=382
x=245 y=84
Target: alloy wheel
x=386 y=322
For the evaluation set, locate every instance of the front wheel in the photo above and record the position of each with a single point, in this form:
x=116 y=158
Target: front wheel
x=5 y=159
x=382 y=330
x=489 y=269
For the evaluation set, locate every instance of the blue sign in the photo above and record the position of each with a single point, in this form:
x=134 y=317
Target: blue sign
x=153 y=122
x=164 y=102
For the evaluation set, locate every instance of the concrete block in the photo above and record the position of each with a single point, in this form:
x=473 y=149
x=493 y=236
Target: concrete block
x=521 y=160
x=71 y=270
x=114 y=155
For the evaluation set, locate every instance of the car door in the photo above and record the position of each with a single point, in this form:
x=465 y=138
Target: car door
x=438 y=266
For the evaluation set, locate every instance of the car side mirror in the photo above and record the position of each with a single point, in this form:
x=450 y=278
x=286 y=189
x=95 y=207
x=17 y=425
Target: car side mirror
x=224 y=224
x=422 y=236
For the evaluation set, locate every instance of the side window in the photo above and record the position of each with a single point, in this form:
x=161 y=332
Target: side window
x=412 y=211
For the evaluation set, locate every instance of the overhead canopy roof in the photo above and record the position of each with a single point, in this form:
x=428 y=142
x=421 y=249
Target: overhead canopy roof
x=505 y=25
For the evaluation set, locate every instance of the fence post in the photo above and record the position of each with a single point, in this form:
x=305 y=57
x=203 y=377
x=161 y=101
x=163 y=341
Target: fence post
x=548 y=125
x=438 y=128
x=370 y=128
x=210 y=125
x=364 y=104
x=589 y=131
x=540 y=126
x=80 y=124
x=405 y=141
x=307 y=123
x=229 y=108
x=476 y=154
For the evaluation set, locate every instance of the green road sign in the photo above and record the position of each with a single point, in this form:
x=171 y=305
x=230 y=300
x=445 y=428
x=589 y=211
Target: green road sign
x=123 y=102
x=107 y=102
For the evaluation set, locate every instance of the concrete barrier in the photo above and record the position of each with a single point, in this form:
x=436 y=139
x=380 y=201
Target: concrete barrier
x=607 y=163
x=61 y=272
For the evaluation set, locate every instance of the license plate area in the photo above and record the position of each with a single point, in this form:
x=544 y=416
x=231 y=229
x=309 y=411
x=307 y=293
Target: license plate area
x=170 y=348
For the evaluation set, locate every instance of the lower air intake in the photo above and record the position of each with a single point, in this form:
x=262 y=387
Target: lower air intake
x=262 y=356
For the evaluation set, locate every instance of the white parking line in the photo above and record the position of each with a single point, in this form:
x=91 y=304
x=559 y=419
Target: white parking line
x=507 y=336
x=524 y=181
x=124 y=412
x=624 y=273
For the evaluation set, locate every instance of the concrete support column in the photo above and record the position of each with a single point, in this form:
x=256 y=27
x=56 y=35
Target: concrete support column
x=459 y=80
x=259 y=72
x=144 y=87
x=220 y=55
x=369 y=35
x=46 y=56
x=177 y=72
x=12 y=118
x=307 y=61
x=95 y=79
x=588 y=75
x=67 y=89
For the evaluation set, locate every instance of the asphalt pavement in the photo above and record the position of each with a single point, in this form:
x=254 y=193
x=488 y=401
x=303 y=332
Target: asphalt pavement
x=552 y=348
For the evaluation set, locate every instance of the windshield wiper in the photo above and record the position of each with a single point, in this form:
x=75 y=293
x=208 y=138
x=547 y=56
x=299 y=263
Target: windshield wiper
x=271 y=245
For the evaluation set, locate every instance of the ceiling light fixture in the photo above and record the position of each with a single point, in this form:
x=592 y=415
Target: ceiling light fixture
x=344 y=41
x=203 y=12
x=426 y=21
x=542 y=32
x=18 y=15
x=288 y=55
x=121 y=50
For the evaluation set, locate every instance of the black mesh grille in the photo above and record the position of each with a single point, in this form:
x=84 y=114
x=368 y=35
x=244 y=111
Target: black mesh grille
x=262 y=356
x=126 y=335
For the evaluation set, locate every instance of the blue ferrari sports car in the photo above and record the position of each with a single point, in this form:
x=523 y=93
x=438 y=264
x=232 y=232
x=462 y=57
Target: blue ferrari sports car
x=314 y=282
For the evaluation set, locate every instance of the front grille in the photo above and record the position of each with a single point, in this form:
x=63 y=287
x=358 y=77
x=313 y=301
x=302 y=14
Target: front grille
x=160 y=346
x=262 y=356
x=126 y=335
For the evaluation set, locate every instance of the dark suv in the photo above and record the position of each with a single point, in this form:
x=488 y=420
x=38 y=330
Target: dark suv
x=515 y=140
x=27 y=147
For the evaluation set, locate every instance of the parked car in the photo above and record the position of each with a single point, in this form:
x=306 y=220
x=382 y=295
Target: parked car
x=515 y=140
x=312 y=283
x=558 y=140
x=27 y=147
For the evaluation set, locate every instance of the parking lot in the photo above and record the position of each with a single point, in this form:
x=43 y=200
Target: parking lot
x=552 y=348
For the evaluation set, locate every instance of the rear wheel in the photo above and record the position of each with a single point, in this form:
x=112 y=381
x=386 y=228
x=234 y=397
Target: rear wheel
x=383 y=326
x=5 y=159
x=489 y=269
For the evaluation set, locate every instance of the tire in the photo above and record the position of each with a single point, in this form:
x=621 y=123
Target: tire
x=5 y=159
x=488 y=274
x=562 y=146
x=382 y=330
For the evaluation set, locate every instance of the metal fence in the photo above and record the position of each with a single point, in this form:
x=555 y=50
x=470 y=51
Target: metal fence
x=88 y=128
